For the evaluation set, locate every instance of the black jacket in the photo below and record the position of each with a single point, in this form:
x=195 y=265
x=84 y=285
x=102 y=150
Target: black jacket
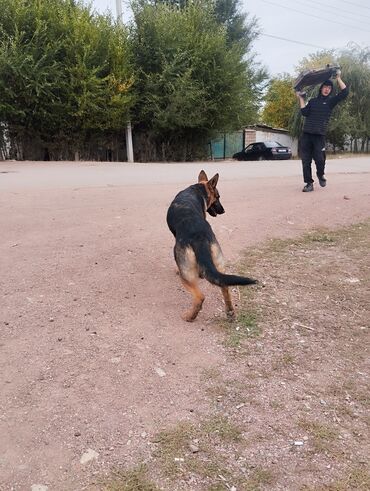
x=318 y=112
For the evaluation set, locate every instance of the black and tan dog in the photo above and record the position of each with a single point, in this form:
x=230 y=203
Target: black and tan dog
x=197 y=252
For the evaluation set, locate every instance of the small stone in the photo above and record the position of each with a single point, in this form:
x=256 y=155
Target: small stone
x=39 y=487
x=51 y=319
x=89 y=455
x=144 y=434
x=77 y=433
x=193 y=448
x=115 y=360
x=160 y=372
x=298 y=443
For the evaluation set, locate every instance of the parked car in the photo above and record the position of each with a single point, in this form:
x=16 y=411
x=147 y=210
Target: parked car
x=269 y=150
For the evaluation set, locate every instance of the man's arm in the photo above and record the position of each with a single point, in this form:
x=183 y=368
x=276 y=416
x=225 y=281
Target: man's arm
x=343 y=91
x=305 y=109
x=340 y=82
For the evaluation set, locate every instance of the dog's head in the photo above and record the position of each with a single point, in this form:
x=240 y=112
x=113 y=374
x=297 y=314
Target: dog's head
x=213 y=205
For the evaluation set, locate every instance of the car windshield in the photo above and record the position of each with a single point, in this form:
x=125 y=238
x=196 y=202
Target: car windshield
x=272 y=144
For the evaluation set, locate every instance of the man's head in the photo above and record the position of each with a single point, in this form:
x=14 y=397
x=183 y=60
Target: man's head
x=326 y=88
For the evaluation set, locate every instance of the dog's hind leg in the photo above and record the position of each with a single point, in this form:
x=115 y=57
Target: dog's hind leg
x=189 y=274
x=229 y=309
x=198 y=299
x=219 y=262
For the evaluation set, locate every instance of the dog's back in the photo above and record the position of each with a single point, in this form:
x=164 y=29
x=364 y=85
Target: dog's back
x=186 y=215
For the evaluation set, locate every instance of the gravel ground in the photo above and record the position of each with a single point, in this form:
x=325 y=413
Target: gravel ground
x=95 y=358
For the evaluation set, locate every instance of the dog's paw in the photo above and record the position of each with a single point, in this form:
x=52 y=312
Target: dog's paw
x=231 y=316
x=189 y=317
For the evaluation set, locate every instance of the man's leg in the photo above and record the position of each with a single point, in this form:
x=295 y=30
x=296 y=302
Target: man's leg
x=319 y=156
x=306 y=155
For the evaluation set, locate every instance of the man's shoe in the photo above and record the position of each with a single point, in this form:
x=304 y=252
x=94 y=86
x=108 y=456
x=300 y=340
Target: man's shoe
x=308 y=188
x=322 y=181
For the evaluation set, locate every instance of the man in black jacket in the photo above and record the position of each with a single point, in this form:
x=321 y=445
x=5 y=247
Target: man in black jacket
x=312 y=144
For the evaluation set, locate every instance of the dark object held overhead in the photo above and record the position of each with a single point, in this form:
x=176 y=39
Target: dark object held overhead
x=315 y=77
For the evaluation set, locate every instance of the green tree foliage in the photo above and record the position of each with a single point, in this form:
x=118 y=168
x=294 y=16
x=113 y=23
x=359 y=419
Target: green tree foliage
x=355 y=63
x=239 y=29
x=280 y=102
x=191 y=81
x=65 y=75
x=70 y=79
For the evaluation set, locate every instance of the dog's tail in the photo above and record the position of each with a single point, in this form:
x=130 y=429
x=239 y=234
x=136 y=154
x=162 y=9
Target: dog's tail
x=209 y=271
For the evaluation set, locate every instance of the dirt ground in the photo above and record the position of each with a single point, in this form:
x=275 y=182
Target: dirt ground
x=98 y=371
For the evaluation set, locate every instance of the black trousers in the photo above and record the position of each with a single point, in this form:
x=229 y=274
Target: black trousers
x=312 y=147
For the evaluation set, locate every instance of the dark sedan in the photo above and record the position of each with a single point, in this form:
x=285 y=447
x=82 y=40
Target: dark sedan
x=269 y=150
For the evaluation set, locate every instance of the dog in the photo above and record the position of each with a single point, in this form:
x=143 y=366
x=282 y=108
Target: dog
x=197 y=252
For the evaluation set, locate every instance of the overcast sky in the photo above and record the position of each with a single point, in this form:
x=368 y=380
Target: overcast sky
x=324 y=24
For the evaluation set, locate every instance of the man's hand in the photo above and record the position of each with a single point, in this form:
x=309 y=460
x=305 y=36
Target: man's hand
x=300 y=97
x=338 y=74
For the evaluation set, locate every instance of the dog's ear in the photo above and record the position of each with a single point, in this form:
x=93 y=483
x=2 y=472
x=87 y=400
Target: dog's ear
x=213 y=182
x=202 y=176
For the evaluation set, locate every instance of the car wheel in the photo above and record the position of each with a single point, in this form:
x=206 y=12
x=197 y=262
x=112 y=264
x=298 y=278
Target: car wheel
x=261 y=157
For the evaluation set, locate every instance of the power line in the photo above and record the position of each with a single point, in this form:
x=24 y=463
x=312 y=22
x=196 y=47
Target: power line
x=315 y=16
x=292 y=41
x=356 y=4
x=336 y=11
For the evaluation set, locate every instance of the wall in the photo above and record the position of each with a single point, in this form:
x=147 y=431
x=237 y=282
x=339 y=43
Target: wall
x=282 y=138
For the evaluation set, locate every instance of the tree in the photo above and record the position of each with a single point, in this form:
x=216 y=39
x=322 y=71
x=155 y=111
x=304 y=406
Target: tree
x=65 y=76
x=239 y=29
x=280 y=102
x=192 y=82
x=355 y=63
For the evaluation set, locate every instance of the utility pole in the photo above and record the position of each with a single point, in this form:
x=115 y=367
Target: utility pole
x=129 y=145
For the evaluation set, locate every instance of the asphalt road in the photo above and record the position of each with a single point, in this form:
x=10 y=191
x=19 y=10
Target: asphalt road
x=59 y=175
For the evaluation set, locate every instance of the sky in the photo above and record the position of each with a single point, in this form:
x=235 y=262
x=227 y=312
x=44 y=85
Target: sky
x=320 y=24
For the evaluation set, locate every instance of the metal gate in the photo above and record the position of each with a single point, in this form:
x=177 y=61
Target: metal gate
x=226 y=145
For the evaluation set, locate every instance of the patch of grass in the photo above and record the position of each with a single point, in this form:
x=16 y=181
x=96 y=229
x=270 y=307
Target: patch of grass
x=244 y=327
x=216 y=391
x=172 y=445
x=176 y=458
x=323 y=435
x=358 y=479
x=275 y=404
x=259 y=478
x=209 y=374
x=283 y=362
x=223 y=428
x=319 y=236
x=131 y=480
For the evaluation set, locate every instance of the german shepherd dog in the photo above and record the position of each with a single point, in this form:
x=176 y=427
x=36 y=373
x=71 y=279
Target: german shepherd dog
x=197 y=252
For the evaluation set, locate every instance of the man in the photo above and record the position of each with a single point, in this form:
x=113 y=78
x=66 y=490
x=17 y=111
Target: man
x=317 y=113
